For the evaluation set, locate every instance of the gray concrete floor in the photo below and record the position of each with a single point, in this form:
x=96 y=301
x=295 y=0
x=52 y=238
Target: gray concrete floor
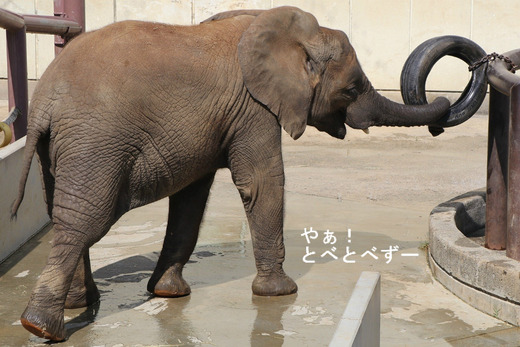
x=381 y=186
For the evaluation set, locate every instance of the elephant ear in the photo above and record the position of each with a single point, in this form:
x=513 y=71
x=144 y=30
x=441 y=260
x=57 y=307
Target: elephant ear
x=275 y=59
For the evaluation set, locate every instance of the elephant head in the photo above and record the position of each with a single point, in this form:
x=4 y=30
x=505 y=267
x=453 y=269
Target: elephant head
x=309 y=75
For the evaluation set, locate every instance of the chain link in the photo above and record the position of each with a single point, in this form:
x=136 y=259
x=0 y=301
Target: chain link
x=491 y=57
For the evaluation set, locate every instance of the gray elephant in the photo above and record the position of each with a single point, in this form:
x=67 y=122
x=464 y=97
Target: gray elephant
x=136 y=112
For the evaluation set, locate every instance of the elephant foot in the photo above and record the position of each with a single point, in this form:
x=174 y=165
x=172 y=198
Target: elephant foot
x=41 y=324
x=171 y=284
x=274 y=284
x=82 y=296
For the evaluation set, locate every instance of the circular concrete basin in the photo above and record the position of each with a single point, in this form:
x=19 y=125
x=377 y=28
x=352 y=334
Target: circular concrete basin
x=485 y=279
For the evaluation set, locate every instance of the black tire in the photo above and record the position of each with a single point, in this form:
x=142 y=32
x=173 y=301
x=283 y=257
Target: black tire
x=419 y=64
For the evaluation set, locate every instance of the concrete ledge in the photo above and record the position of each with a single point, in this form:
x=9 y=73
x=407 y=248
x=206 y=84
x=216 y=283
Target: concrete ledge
x=485 y=279
x=360 y=323
x=32 y=215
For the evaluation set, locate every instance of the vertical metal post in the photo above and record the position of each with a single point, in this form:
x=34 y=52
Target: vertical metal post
x=496 y=192
x=69 y=9
x=17 y=79
x=513 y=195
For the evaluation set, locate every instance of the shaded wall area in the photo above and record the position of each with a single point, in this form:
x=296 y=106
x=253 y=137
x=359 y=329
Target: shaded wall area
x=14 y=233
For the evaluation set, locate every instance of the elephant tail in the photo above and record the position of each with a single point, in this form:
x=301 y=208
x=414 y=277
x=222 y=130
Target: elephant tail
x=34 y=134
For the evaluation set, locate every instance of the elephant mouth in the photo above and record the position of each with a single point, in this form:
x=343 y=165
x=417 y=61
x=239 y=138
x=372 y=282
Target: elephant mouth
x=353 y=125
x=340 y=129
x=334 y=126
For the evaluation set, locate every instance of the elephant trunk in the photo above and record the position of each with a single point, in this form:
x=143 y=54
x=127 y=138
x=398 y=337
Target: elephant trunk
x=373 y=109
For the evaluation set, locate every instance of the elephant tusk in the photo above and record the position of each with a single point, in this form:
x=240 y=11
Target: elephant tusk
x=7 y=134
x=366 y=131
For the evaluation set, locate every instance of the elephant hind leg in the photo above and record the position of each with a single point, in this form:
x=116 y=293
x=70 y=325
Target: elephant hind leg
x=43 y=315
x=35 y=329
x=66 y=280
x=186 y=209
x=47 y=177
x=171 y=284
x=81 y=217
x=83 y=291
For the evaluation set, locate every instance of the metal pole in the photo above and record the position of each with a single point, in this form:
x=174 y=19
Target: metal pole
x=513 y=197
x=17 y=79
x=73 y=10
x=496 y=192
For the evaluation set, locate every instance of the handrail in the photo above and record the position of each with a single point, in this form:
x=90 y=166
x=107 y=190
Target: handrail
x=51 y=25
x=10 y=20
x=38 y=24
x=17 y=26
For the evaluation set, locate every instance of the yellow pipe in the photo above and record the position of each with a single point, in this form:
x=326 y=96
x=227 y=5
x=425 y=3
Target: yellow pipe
x=7 y=134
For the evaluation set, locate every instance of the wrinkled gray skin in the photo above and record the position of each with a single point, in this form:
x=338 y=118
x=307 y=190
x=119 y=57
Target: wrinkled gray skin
x=136 y=112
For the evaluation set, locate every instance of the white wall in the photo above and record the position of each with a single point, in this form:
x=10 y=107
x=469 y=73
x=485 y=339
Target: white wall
x=383 y=32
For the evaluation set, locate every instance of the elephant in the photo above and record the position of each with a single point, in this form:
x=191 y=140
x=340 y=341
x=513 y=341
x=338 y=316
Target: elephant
x=139 y=111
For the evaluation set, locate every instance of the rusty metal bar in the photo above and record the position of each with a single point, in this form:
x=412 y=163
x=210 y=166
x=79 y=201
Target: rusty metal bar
x=499 y=75
x=71 y=9
x=513 y=191
x=504 y=189
x=68 y=9
x=496 y=192
x=17 y=79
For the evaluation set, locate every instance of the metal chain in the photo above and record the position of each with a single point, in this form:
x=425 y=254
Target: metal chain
x=491 y=57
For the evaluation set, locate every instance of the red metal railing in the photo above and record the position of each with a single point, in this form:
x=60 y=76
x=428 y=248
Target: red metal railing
x=503 y=171
x=69 y=21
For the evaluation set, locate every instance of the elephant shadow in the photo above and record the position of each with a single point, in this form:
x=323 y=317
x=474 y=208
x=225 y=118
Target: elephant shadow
x=122 y=286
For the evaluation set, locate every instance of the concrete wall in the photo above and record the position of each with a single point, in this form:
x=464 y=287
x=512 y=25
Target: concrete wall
x=360 y=324
x=383 y=32
x=13 y=233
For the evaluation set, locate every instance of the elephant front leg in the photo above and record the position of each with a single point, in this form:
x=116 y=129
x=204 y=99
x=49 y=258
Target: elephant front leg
x=265 y=218
x=83 y=291
x=261 y=187
x=186 y=209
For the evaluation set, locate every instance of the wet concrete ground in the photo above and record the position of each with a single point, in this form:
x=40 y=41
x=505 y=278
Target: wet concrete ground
x=382 y=187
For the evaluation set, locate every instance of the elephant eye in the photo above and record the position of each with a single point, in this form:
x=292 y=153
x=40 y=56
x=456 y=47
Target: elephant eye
x=309 y=65
x=351 y=93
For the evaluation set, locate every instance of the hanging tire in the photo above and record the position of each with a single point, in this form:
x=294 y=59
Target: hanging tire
x=419 y=64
